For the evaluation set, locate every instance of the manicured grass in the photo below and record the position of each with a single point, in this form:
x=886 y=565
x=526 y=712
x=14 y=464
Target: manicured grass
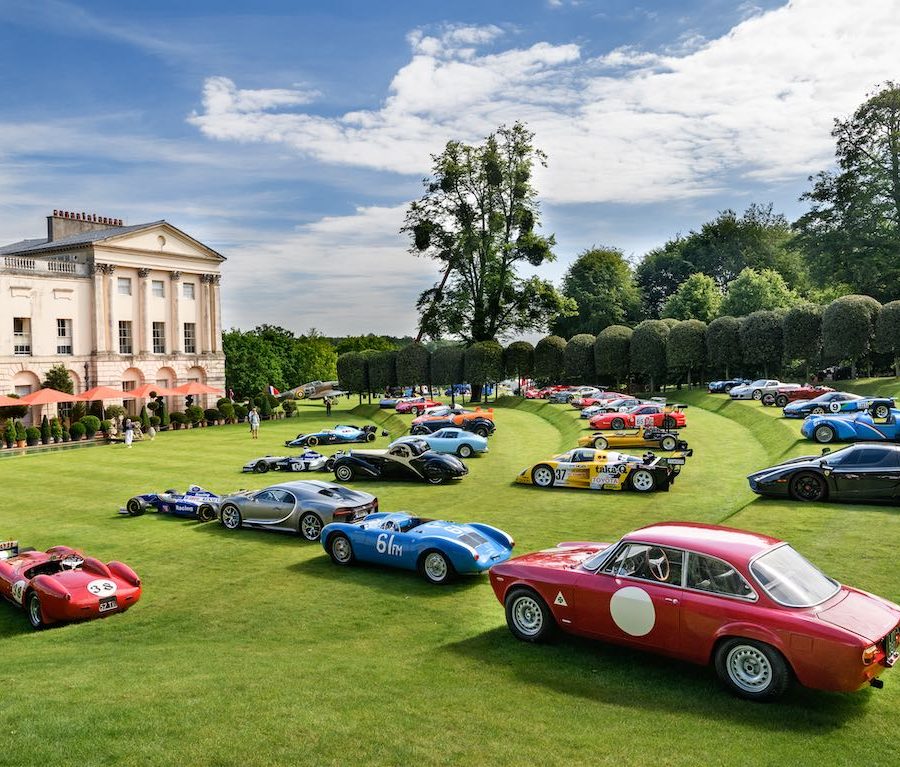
x=251 y=648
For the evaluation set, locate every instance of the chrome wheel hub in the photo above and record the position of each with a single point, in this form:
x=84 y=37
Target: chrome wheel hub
x=749 y=668
x=310 y=527
x=527 y=615
x=435 y=567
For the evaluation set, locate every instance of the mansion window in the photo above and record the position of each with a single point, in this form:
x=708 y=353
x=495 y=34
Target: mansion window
x=189 y=290
x=63 y=336
x=129 y=385
x=159 y=337
x=125 y=338
x=159 y=288
x=190 y=337
x=21 y=335
x=124 y=284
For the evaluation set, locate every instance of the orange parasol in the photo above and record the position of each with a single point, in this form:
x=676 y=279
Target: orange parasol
x=195 y=387
x=46 y=396
x=102 y=393
x=146 y=390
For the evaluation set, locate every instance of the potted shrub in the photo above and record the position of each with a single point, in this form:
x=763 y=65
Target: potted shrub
x=290 y=407
x=45 y=430
x=164 y=418
x=227 y=411
x=212 y=416
x=32 y=436
x=105 y=427
x=77 y=431
x=9 y=433
x=240 y=413
x=194 y=415
x=21 y=437
x=154 y=421
x=56 y=430
x=66 y=437
x=178 y=420
x=91 y=425
x=115 y=412
x=144 y=419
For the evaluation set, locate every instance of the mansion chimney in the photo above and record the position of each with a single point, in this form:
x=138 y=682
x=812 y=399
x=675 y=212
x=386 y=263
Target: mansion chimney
x=64 y=223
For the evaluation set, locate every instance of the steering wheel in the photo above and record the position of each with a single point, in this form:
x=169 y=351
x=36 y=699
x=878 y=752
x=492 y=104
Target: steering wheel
x=391 y=525
x=658 y=564
x=71 y=562
x=402 y=451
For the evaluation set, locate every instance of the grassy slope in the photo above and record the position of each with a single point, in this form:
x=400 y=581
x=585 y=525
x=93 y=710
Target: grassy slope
x=251 y=648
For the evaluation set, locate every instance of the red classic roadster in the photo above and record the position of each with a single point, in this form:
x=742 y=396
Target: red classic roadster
x=749 y=604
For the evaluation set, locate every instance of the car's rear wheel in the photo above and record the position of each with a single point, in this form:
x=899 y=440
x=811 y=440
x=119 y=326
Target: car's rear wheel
x=643 y=481
x=824 y=434
x=881 y=411
x=343 y=473
x=768 y=399
x=465 y=451
x=818 y=410
x=35 y=617
x=206 y=513
x=310 y=526
x=370 y=436
x=340 y=550
x=751 y=669
x=312 y=441
x=617 y=423
x=435 y=568
x=601 y=443
x=757 y=394
x=809 y=486
x=668 y=422
x=481 y=431
x=434 y=475
x=414 y=411
x=135 y=506
x=261 y=467
x=528 y=616
x=231 y=517
x=781 y=401
x=542 y=475
x=668 y=443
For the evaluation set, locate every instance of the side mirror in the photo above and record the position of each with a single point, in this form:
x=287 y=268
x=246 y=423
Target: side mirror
x=826 y=450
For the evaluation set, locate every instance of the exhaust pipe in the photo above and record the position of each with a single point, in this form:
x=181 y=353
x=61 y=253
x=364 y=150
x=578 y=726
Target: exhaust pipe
x=876 y=683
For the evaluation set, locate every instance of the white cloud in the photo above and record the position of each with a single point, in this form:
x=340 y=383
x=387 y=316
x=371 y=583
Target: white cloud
x=629 y=126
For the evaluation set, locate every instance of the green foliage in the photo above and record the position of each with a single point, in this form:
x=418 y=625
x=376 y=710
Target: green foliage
x=194 y=414
x=154 y=421
x=413 y=365
x=382 y=370
x=887 y=336
x=14 y=411
x=697 y=298
x=578 y=358
x=240 y=412
x=250 y=362
x=351 y=372
x=77 y=430
x=602 y=286
x=144 y=418
x=45 y=430
x=164 y=418
x=648 y=351
x=518 y=360
x=549 y=358
x=56 y=430
x=58 y=378
x=115 y=411
x=227 y=409
x=753 y=291
x=32 y=435
x=180 y=418
x=686 y=347
x=106 y=425
x=723 y=344
x=478 y=218
x=211 y=415
x=91 y=425
x=77 y=412
x=848 y=326
x=660 y=273
x=289 y=406
x=9 y=433
x=612 y=352
x=762 y=341
x=20 y=431
x=483 y=363
x=361 y=343
x=448 y=365
x=802 y=330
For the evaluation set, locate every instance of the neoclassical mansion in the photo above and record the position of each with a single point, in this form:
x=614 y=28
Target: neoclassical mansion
x=117 y=305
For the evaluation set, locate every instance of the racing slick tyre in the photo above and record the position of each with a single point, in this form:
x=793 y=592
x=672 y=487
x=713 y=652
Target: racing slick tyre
x=818 y=410
x=434 y=475
x=642 y=481
x=312 y=441
x=751 y=669
x=668 y=443
x=808 y=486
x=343 y=473
x=781 y=400
x=481 y=431
x=542 y=475
x=206 y=513
x=329 y=465
x=669 y=422
x=757 y=394
x=310 y=526
x=617 y=423
x=414 y=411
x=881 y=411
x=370 y=436
x=261 y=467
x=465 y=451
x=135 y=506
x=435 y=568
x=768 y=399
x=33 y=605
x=824 y=434
x=231 y=517
x=601 y=443
x=528 y=617
x=340 y=550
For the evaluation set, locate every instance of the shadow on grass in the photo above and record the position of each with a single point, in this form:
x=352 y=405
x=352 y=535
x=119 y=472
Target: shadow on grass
x=885 y=506
x=13 y=622
x=387 y=579
x=618 y=676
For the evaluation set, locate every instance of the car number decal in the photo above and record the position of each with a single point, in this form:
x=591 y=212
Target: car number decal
x=18 y=591
x=632 y=611
x=643 y=420
x=102 y=587
x=560 y=474
x=386 y=545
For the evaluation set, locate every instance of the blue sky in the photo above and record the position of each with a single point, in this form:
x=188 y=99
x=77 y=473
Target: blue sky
x=291 y=136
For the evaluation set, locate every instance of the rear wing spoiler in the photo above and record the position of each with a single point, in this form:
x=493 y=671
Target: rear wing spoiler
x=8 y=549
x=676 y=460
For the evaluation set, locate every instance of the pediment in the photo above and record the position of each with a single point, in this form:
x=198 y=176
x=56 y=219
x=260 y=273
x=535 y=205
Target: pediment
x=162 y=239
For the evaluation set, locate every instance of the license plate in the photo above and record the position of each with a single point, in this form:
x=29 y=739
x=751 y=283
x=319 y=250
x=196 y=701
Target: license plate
x=676 y=461
x=107 y=604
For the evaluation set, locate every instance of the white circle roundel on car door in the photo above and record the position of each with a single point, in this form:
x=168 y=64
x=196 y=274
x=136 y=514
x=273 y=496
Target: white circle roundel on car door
x=632 y=611
x=834 y=407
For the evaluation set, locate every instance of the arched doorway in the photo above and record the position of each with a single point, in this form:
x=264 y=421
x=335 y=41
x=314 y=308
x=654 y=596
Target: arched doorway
x=24 y=382
x=131 y=379
x=198 y=375
x=167 y=378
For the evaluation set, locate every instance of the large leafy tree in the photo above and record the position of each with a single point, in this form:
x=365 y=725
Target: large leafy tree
x=479 y=218
x=848 y=329
x=697 y=298
x=852 y=230
x=250 y=363
x=756 y=291
x=600 y=282
x=659 y=275
x=723 y=345
x=612 y=353
x=58 y=378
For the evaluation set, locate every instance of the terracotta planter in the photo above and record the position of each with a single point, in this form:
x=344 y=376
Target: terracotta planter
x=21 y=443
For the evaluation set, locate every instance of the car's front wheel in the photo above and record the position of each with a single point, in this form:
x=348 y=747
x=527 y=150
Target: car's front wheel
x=35 y=615
x=818 y=410
x=643 y=481
x=617 y=423
x=465 y=451
x=340 y=550
x=542 y=475
x=757 y=394
x=751 y=669
x=669 y=422
x=135 y=506
x=668 y=443
x=370 y=436
x=230 y=517
x=434 y=475
x=481 y=431
x=824 y=434
x=601 y=443
x=809 y=486
x=329 y=465
x=261 y=467
x=435 y=568
x=528 y=616
x=343 y=473
x=310 y=526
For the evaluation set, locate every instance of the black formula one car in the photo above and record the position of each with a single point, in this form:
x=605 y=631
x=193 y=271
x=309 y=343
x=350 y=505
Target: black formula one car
x=406 y=460
x=339 y=435
x=865 y=471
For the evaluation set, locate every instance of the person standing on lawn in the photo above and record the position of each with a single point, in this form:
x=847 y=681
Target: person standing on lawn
x=328 y=406
x=128 y=426
x=253 y=418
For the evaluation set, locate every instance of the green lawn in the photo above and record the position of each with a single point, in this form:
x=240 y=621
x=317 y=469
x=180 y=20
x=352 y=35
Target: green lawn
x=251 y=648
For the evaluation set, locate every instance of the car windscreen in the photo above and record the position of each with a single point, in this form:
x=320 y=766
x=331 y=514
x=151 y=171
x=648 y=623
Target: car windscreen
x=790 y=579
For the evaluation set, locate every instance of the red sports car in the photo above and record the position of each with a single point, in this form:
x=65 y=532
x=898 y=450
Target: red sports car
x=661 y=416
x=608 y=396
x=545 y=392
x=62 y=585
x=783 y=394
x=749 y=604
x=416 y=405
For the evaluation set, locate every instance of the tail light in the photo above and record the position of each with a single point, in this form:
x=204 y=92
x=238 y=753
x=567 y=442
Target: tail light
x=343 y=512
x=869 y=654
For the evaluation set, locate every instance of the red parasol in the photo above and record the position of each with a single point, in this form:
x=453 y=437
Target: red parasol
x=46 y=396
x=195 y=387
x=147 y=390
x=102 y=393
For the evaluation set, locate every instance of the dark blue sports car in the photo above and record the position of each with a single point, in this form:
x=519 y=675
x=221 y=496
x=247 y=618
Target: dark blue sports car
x=723 y=387
x=196 y=502
x=830 y=402
x=438 y=550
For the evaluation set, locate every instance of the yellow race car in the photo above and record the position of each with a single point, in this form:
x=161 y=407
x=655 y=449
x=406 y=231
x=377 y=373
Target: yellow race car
x=649 y=437
x=604 y=470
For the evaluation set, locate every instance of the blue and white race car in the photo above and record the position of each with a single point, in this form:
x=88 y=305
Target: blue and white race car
x=309 y=460
x=449 y=440
x=339 y=435
x=196 y=502
x=438 y=550
x=855 y=427
x=831 y=402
